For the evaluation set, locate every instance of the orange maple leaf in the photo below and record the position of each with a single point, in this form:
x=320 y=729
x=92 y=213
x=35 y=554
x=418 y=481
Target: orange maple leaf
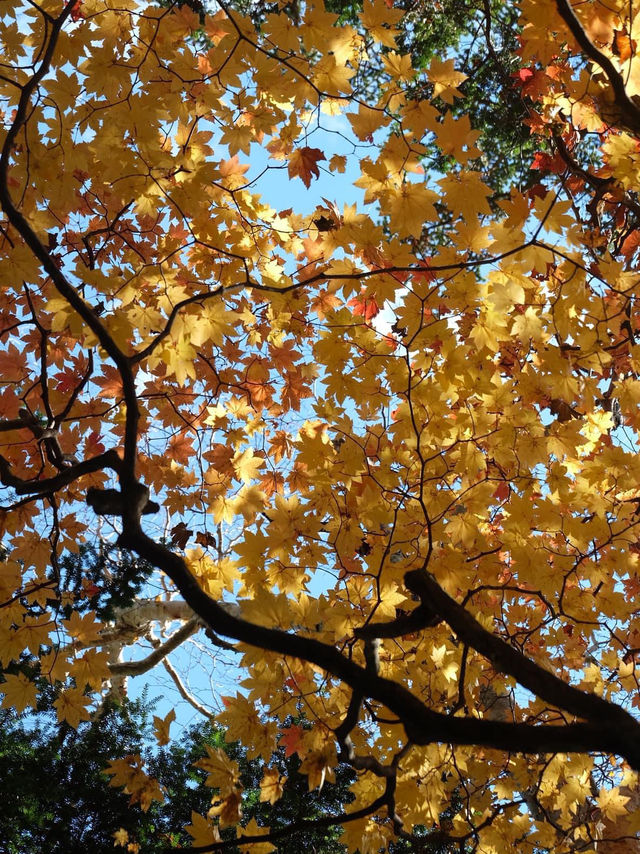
x=304 y=163
x=180 y=449
x=623 y=45
x=291 y=739
x=365 y=306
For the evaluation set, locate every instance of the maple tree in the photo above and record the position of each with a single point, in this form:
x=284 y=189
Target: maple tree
x=400 y=488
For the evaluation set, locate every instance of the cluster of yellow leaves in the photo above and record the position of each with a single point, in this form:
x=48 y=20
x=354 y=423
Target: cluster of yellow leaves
x=121 y=839
x=21 y=632
x=129 y=774
x=223 y=774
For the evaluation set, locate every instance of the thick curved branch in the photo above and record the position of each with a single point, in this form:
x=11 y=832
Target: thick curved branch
x=136 y=618
x=610 y=729
x=629 y=112
x=420 y=618
x=507 y=659
x=48 y=485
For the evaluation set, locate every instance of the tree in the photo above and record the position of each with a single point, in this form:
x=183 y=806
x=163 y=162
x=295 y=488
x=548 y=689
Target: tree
x=55 y=794
x=78 y=807
x=416 y=525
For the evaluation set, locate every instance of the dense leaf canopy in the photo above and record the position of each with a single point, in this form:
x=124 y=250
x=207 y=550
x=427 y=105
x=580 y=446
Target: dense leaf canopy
x=366 y=417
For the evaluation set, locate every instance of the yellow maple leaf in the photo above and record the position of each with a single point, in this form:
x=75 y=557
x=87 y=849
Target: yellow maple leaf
x=253 y=829
x=54 y=666
x=161 y=727
x=410 y=207
x=612 y=802
x=232 y=172
x=85 y=629
x=10 y=578
x=466 y=194
x=128 y=773
x=249 y=502
x=379 y=20
x=223 y=772
x=271 y=785
x=19 y=692
x=121 y=837
x=332 y=77
x=246 y=465
x=71 y=707
x=398 y=66
x=528 y=325
x=202 y=831
x=455 y=137
x=367 y=121
x=11 y=644
x=445 y=79
x=91 y=669
x=34 y=633
x=318 y=766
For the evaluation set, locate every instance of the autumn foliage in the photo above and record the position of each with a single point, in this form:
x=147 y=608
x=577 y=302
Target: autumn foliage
x=384 y=450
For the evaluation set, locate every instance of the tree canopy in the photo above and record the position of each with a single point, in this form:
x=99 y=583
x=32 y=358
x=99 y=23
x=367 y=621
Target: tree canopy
x=362 y=419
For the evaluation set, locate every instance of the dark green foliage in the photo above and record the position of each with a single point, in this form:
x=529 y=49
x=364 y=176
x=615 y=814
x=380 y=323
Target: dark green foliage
x=299 y=803
x=187 y=791
x=55 y=798
x=483 y=38
x=108 y=577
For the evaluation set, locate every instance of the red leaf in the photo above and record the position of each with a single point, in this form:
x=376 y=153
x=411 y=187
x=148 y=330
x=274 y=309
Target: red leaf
x=291 y=738
x=76 y=11
x=93 y=444
x=547 y=163
x=630 y=244
x=364 y=306
x=503 y=491
x=522 y=75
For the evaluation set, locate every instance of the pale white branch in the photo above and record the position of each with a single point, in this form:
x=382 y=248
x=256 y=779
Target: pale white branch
x=186 y=695
x=135 y=668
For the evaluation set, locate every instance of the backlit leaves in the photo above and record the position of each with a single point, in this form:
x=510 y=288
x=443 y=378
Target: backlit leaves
x=19 y=692
x=303 y=163
x=324 y=407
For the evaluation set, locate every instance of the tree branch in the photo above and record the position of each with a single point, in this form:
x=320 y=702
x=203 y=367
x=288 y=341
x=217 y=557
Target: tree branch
x=628 y=109
x=135 y=668
x=610 y=729
x=183 y=691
